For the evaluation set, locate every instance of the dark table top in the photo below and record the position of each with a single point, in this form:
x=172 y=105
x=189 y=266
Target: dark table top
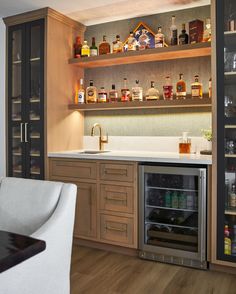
x=15 y=248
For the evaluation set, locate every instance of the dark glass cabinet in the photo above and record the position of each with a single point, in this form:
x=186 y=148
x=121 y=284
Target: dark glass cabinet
x=26 y=100
x=226 y=129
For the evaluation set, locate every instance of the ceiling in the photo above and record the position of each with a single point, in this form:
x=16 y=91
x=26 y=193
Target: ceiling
x=93 y=12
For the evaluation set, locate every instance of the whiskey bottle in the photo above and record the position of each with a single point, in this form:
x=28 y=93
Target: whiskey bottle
x=117 y=45
x=93 y=48
x=159 y=39
x=113 y=94
x=196 y=88
x=125 y=93
x=137 y=92
x=207 y=31
x=132 y=42
x=81 y=92
x=173 y=32
x=77 y=48
x=104 y=47
x=181 y=88
x=168 y=89
x=85 y=51
x=152 y=93
x=91 y=93
x=102 y=95
x=183 y=37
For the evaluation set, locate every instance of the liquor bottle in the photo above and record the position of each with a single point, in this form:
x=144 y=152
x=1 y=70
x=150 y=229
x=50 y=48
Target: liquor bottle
x=168 y=89
x=190 y=202
x=173 y=33
x=104 y=47
x=159 y=38
x=152 y=93
x=210 y=89
x=113 y=94
x=102 y=95
x=137 y=92
x=233 y=251
x=232 y=197
x=181 y=88
x=143 y=40
x=85 y=51
x=183 y=37
x=125 y=93
x=132 y=42
x=93 y=48
x=91 y=93
x=196 y=88
x=117 y=45
x=182 y=201
x=168 y=199
x=77 y=47
x=81 y=92
x=207 y=31
x=227 y=241
x=175 y=200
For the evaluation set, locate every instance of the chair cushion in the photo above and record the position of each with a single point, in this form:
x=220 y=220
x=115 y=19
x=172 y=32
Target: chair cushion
x=26 y=204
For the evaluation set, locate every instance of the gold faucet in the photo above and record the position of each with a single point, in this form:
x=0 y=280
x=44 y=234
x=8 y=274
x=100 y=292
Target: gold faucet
x=101 y=140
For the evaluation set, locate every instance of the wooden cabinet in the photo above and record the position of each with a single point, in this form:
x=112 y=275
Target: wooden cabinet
x=107 y=207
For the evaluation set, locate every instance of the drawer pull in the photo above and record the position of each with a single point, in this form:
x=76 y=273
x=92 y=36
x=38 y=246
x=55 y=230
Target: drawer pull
x=110 y=228
x=115 y=171
x=115 y=199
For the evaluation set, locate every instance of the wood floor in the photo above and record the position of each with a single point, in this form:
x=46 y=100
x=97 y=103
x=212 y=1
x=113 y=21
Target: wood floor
x=100 y=272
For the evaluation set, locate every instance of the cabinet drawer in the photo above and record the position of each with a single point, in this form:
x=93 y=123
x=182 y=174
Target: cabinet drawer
x=116 y=229
x=117 y=172
x=117 y=198
x=73 y=169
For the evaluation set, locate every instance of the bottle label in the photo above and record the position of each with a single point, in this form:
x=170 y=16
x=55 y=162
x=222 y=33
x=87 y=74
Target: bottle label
x=195 y=91
x=93 y=52
x=80 y=97
x=125 y=95
x=137 y=95
x=85 y=52
x=90 y=93
x=168 y=92
x=113 y=96
x=174 y=37
x=102 y=97
x=159 y=41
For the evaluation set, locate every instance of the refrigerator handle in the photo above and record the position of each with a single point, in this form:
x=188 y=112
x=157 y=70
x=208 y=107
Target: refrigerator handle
x=26 y=132
x=21 y=133
x=202 y=214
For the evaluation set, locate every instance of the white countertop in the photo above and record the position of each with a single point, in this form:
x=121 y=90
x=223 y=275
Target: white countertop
x=138 y=156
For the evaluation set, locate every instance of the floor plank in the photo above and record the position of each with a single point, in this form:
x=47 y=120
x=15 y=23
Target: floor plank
x=95 y=271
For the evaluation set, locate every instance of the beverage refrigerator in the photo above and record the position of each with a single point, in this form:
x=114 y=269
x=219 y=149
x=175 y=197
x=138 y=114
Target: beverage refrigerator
x=172 y=214
x=225 y=131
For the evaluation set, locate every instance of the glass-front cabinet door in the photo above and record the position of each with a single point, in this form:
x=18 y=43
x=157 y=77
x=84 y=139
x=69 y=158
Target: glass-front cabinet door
x=226 y=129
x=26 y=100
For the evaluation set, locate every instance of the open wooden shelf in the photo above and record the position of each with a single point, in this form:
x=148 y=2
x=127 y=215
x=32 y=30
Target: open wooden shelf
x=157 y=54
x=188 y=103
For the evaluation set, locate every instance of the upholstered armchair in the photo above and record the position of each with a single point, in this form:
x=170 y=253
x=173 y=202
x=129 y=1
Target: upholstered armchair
x=44 y=210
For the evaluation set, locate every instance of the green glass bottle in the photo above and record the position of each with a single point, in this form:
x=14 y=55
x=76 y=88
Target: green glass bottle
x=175 y=200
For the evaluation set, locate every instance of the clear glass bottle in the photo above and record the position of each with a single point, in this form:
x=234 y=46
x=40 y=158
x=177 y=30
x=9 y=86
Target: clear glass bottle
x=168 y=89
x=207 y=31
x=85 y=51
x=196 y=88
x=159 y=38
x=91 y=93
x=81 y=91
x=102 y=96
x=183 y=37
x=181 y=88
x=77 y=47
x=104 y=47
x=185 y=144
x=173 y=32
x=137 y=92
x=232 y=197
x=125 y=92
x=132 y=42
x=93 y=48
x=117 y=45
x=152 y=93
x=113 y=94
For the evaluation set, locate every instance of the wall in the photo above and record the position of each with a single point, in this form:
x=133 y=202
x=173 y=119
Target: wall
x=149 y=122
x=2 y=99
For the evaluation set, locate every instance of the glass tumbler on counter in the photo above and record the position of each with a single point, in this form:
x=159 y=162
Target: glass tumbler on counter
x=185 y=144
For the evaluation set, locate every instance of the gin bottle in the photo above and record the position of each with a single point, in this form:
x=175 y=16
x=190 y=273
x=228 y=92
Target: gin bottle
x=137 y=92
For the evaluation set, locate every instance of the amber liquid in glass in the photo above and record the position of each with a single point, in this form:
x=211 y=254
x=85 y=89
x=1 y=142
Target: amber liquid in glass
x=185 y=148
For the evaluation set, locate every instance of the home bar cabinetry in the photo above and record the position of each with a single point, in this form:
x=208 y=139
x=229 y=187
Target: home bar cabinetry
x=37 y=94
